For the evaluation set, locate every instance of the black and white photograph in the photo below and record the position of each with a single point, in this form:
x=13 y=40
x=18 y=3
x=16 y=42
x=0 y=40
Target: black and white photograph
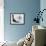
x=17 y=18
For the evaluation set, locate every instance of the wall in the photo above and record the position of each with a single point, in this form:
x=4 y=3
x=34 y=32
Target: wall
x=1 y=20
x=29 y=7
x=43 y=6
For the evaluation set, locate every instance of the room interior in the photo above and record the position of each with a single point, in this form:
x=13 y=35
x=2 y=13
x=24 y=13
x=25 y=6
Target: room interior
x=17 y=34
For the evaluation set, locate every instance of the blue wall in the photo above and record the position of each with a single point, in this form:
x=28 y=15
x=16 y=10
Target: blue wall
x=29 y=7
x=43 y=6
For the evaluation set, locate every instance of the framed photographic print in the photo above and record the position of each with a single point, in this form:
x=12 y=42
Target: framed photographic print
x=17 y=18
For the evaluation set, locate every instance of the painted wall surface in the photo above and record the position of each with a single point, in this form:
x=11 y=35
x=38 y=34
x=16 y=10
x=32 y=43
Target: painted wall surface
x=43 y=6
x=29 y=7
